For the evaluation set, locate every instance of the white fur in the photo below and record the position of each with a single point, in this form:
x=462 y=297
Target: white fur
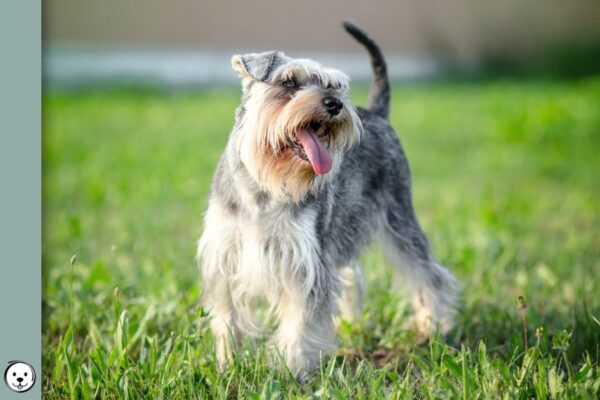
x=273 y=256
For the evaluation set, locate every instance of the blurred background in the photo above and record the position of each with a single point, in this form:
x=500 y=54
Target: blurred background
x=190 y=42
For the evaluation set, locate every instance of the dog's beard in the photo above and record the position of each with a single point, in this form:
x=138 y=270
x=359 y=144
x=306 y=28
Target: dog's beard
x=292 y=145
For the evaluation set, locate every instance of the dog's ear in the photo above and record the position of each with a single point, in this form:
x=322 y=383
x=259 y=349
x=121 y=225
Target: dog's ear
x=258 y=66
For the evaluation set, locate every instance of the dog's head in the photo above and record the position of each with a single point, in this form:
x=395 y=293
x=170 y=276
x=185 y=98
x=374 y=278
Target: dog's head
x=295 y=122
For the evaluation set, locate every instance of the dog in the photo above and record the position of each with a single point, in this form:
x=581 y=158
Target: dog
x=306 y=181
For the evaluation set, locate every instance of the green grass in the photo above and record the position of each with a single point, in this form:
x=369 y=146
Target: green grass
x=506 y=184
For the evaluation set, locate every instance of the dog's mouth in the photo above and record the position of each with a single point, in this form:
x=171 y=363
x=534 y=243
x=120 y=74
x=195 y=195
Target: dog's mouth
x=18 y=386
x=309 y=147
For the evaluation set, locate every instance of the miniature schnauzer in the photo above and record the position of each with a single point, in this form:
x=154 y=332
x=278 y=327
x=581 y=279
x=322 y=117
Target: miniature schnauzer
x=306 y=180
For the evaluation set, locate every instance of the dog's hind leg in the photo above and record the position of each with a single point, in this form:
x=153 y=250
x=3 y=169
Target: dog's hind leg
x=432 y=288
x=352 y=296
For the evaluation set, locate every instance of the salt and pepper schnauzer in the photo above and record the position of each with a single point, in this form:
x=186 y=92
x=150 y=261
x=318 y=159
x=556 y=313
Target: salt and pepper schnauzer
x=307 y=179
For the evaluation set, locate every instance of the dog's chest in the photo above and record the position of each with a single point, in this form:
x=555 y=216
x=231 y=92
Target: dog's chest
x=278 y=247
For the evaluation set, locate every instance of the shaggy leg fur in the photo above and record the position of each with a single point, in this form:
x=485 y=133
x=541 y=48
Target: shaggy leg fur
x=432 y=288
x=305 y=332
x=218 y=249
x=351 y=301
x=224 y=331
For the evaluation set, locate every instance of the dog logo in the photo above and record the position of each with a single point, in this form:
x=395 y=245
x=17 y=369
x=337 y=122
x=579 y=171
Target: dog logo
x=19 y=376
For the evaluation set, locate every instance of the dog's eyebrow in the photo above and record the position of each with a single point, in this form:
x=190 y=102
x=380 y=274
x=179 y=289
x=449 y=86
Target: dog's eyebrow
x=316 y=79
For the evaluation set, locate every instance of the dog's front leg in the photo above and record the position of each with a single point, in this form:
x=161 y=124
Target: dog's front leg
x=306 y=331
x=217 y=255
x=224 y=328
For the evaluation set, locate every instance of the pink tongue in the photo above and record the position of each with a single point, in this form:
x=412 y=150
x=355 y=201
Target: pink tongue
x=317 y=154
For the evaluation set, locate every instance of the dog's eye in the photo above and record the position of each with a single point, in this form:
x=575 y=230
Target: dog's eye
x=14 y=374
x=25 y=373
x=289 y=83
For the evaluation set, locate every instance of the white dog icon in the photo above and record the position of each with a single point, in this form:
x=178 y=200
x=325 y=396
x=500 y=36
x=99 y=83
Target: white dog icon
x=19 y=376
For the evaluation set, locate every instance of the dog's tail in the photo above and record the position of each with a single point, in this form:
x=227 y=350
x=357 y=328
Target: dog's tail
x=379 y=95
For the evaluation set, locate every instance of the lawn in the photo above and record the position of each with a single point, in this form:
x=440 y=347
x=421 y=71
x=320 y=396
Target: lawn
x=506 y=184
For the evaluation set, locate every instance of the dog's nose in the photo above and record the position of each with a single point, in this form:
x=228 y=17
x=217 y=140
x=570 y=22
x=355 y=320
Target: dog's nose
x=333 y=105
x=19 y=379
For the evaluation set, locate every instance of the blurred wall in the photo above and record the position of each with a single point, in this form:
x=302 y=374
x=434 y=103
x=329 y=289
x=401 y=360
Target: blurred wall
x=461 y=29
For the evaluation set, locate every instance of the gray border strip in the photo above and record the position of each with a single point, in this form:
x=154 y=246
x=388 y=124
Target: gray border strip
x=20 y=188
